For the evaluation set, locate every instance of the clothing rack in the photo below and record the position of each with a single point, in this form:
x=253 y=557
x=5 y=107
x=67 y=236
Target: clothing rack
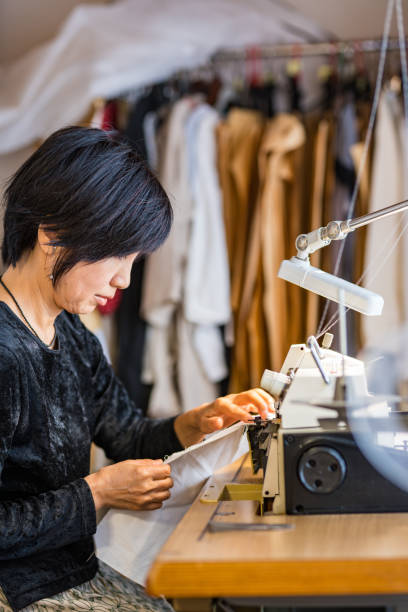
x=298 y=50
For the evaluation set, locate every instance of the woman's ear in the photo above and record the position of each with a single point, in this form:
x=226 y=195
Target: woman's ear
x=44 y=239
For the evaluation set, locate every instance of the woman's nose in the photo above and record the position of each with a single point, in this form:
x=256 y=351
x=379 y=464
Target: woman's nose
x=121 y=280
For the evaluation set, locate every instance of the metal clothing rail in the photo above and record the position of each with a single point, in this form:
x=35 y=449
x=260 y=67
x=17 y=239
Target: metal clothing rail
x=298 y=50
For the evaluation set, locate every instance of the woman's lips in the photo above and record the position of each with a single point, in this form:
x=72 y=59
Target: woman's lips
x=101 y=300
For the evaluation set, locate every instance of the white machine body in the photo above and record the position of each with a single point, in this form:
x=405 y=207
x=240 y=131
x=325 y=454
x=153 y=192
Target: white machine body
x=307 y=384
x=301 y=381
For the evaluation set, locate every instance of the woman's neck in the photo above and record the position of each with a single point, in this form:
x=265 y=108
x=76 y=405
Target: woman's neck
x=33 y=291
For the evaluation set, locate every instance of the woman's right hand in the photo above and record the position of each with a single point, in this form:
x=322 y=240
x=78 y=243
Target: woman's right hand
x=136 y=484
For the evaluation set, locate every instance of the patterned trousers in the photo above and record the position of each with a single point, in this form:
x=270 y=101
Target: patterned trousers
x=106 y=592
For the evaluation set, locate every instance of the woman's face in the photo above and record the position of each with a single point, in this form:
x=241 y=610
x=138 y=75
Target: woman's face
x=86 y=285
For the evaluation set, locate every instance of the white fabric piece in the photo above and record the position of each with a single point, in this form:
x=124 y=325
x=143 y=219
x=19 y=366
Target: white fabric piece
x=158 y=370
x=164 y=270
x=186 y=286
x=387 y=188
x=209 y=344
x=207 y=285
x=195 y=387
x=102 y=51
x=149 y=130
x=129 y=541
x=174 y=346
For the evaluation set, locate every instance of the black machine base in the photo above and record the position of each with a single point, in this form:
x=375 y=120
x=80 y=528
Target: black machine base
x=325 y=473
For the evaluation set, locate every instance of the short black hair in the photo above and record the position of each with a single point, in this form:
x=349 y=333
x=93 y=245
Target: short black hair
x=92 y=191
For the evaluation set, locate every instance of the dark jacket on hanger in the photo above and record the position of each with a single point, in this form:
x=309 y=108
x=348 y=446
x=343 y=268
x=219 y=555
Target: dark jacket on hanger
x=53 y=404
x=130 y=327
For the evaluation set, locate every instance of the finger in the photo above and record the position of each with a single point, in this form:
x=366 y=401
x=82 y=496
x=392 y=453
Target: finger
x=256 y=398
x=240 y=413
x=143 y=461
x=159 y=496
x=154 y=506
x=158 y=472
x=163 y=485
x=211 y=424
x=267 y=397
x=258 y=403
x=253 y=410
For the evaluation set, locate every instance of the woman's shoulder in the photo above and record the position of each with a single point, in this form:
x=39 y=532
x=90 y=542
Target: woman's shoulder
x=9 y=335
x=10 y=357
x=75 y=331
x=70 y=321
x=72 y=324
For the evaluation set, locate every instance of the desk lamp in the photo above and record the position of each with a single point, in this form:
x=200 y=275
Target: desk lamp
x=298 y=270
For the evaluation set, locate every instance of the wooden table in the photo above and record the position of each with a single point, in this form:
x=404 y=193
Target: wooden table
x=319 y=556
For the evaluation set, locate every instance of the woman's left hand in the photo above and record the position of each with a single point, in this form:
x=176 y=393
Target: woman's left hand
x=192 y=426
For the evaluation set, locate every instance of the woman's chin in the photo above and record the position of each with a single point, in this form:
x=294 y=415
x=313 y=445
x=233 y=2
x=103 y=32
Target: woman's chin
x=80 y=309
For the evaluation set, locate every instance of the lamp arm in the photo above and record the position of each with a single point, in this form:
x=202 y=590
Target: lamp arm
x=338 y=230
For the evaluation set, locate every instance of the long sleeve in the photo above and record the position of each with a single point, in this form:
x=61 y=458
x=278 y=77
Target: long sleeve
x=120 y=427
x=39 y=522
x=46 y=521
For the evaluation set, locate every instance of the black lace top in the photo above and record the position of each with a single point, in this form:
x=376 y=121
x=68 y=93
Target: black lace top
x=53 y=404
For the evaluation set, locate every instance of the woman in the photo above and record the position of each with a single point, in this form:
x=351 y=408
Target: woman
x=77 y=214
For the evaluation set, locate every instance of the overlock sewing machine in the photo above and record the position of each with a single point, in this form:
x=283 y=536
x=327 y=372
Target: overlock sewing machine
x=310 y=454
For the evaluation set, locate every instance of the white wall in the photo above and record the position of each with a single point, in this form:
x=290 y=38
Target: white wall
x=26 y=23
x=349 y=19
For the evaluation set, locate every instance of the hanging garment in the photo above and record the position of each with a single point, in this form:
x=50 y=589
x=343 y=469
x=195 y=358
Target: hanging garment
x=319 y=138
x=264 y=330
x=186 y=290
x=280 y=205
x=130 y=327
x=207 y=286
x=346 y=135
x=238 y=139
x=130 y=332
x=207 y=291
x=150 y=127
x=385 y=268
x=362 y=208
x=164 y=269
x=144 y=109
x=162 y=288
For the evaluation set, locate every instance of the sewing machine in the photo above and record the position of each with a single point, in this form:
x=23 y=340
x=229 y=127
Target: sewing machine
x=309 y=454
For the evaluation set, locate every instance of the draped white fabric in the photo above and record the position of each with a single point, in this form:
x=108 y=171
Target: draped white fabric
x=129 y=541
x=104 y=50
